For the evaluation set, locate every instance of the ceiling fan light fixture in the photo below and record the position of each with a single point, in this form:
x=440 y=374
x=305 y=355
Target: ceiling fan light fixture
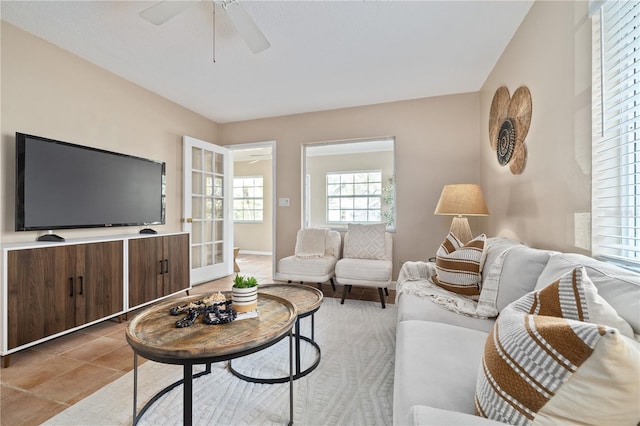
x=246 y=26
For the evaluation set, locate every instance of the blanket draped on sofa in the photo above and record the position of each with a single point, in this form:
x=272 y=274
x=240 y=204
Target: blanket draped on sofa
x=412 y=280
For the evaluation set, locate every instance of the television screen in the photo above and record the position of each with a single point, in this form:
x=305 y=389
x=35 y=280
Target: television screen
x=60 y=185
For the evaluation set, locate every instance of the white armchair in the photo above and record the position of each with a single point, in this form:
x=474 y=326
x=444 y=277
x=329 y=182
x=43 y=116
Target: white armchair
x=316 y=253
x=367 y=260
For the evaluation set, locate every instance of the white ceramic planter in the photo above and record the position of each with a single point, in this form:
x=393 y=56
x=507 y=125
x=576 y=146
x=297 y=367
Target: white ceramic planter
x=244 y=299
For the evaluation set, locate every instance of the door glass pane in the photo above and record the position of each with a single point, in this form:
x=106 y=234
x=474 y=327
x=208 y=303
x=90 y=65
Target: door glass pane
x=208 y=258
x=196 y=159
x=219 y=164
x=208 y=185
x=219 y=247
x=218 y=209
x=218 y=189
x=196 y=183
x=208 y=208
x=208 y=161
x=208 y=231
x=196 y=232
x=196 y=207
x=196 y=255
x=219 y=233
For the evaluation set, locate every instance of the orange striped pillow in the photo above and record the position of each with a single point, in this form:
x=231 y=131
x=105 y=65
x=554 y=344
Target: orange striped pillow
x=538 y=369
x=573 y=296
x=459 y=266
x=543 y=363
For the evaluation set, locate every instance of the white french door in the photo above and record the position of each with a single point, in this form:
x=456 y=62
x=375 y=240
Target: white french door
x=207 y=207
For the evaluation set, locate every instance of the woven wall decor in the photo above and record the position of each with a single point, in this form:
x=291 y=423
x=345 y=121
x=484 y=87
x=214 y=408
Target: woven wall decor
x=509 y=121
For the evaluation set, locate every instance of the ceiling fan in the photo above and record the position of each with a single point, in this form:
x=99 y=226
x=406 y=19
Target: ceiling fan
x=161 y=12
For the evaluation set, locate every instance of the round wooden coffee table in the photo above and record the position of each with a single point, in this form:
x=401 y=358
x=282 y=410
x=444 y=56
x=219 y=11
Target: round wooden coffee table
x=153 y=335
x=307 y=301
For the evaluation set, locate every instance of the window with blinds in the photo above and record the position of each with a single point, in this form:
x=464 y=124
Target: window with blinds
x=616 y=132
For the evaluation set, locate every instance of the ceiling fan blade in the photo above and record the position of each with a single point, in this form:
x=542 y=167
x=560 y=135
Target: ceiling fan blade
x=246 y=26
x=161 y=12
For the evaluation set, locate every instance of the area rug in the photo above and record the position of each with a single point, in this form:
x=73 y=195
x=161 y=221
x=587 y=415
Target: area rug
x=353 y=384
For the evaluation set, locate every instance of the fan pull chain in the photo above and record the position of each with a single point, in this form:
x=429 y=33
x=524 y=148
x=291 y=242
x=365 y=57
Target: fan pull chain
x=214 y=32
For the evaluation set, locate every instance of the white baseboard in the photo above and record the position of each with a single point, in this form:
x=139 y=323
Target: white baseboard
x=258 y=253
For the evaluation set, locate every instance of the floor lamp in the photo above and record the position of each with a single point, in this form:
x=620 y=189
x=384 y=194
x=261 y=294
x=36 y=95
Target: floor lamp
x=461 y=200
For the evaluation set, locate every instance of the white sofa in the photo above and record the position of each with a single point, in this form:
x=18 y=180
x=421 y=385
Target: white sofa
x=438 y=352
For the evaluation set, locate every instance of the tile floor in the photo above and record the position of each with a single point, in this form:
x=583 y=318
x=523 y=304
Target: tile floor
x=47 y=378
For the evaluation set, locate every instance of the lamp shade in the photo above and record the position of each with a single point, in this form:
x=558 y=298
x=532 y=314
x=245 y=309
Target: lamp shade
x=462 y=199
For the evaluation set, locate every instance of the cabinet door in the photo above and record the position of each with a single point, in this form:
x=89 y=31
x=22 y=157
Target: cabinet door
x=176 y=253
x=146 y=264
x=41 y=294
x=99 y=286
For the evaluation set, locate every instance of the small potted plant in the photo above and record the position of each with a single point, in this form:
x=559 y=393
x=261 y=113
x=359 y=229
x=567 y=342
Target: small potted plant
x=244 y=294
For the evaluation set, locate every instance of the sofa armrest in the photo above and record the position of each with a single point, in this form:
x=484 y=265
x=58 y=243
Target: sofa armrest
x=425 y=415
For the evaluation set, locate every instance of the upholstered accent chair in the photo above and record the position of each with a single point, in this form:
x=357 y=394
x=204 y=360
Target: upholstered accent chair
x=367 y=259
x=316 y=252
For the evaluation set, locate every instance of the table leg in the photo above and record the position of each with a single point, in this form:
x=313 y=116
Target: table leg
x=313 y=326
x=298 y=367
x=135 y=387
x=291 y=379
x=187 y=396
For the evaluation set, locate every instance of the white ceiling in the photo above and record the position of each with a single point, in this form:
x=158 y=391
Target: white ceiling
x=323 y=55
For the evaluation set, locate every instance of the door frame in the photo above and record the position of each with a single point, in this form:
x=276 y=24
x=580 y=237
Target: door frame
x=274 y=210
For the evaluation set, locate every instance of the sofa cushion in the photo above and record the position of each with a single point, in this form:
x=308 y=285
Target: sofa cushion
x=573 y=296
x=365 y=241
x=425 y=415
x=494 y=246
x=554 y=370
x=436 y=365
x=299 y=266
x=618 y=286
x=415 y=307
x=459 y=266
x=363 y=270
x=520 y=271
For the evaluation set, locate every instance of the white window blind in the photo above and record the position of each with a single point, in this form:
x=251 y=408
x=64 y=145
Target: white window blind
x=616 y=132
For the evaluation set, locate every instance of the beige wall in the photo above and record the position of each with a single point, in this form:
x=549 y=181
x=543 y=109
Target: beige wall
x=50 y=92
x=437 y=143
x=256 y=237
x=319 y=166
x=548 y=205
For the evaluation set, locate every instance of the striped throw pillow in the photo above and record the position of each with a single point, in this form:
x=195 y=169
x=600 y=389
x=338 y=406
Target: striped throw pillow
x=573 y=296
x=459 y=266
x=541 y=365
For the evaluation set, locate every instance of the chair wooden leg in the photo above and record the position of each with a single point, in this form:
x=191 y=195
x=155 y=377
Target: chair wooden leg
x=347 y=288
x=386 y=291
x=319 y=286
x=289 y=281
x=381 y=297
x=333 y=284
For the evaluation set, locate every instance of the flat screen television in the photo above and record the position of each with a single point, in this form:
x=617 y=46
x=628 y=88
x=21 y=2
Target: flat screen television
x=60 y=185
